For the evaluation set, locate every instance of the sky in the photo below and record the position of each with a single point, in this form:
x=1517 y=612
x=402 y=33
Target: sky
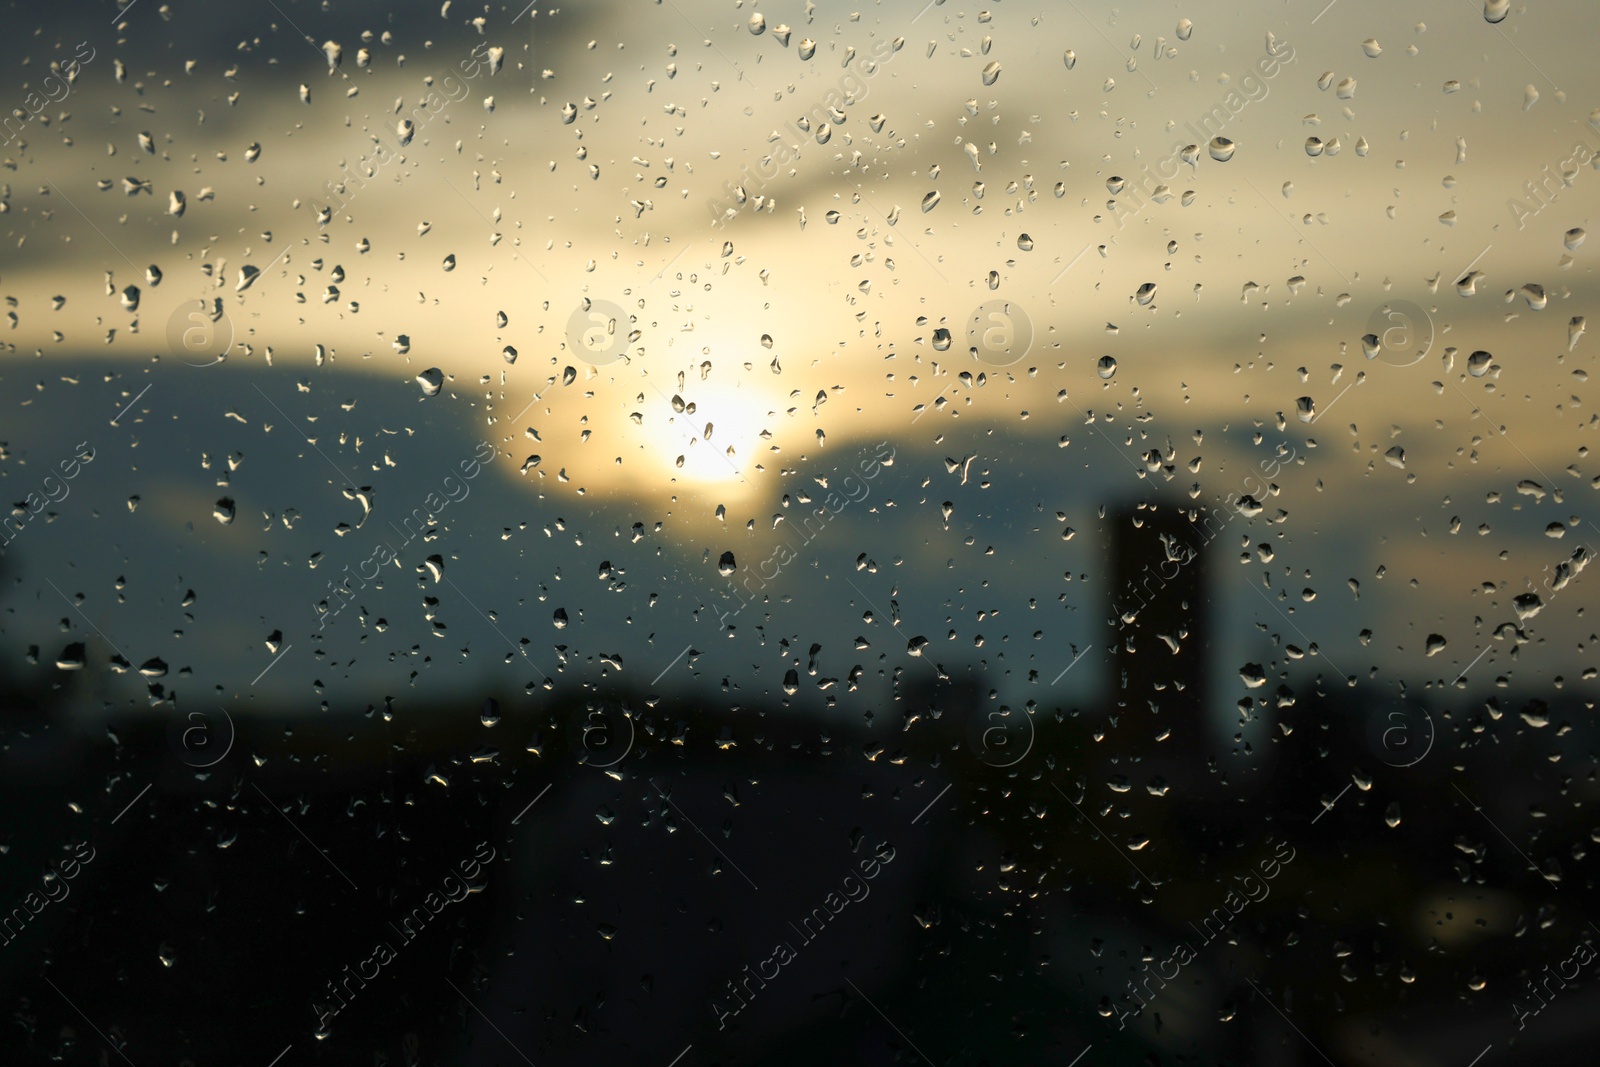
x=1021 y=158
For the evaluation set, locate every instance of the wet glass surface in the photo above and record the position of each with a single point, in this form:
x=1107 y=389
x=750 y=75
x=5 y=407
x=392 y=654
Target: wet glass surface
x=696 y=532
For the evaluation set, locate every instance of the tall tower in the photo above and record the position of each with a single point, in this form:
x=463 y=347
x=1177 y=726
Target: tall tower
x=1159 y=637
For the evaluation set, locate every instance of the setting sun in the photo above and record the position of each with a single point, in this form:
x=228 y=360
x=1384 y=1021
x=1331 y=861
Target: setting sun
x=716 y=436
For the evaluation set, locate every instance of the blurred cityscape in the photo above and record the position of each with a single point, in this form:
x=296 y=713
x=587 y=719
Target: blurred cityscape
x=1047 y=866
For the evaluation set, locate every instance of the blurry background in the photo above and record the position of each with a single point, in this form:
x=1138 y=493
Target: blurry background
x=1083 y=452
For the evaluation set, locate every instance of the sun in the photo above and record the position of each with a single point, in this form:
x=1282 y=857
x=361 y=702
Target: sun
x=718 y=435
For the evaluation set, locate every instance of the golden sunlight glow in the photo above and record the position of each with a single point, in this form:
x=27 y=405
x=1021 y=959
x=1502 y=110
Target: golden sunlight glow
x=717 y=417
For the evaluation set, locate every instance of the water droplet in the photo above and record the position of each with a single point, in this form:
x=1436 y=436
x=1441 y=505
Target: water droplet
x=758 y=24
x=431 y=381
x=1185 y=28
x=1221 y=149
x=1314 y=146
x=726 y=564
x=1146 y=293
x=941 y=340
x=1396 y=457
x=930 y=201
x=1574 y=238
x=1435 y=645
x=1372 y=48
x=1025 y=243
x=1391 y=815
x=1107 y=367
x=808 y=48
x=1530 y=96
x=1253 y=676
x=1496 y=10
x=1306 y=409
x=223 y=511
x=991 y=73
x=1070 y=58
x=1478 y=363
